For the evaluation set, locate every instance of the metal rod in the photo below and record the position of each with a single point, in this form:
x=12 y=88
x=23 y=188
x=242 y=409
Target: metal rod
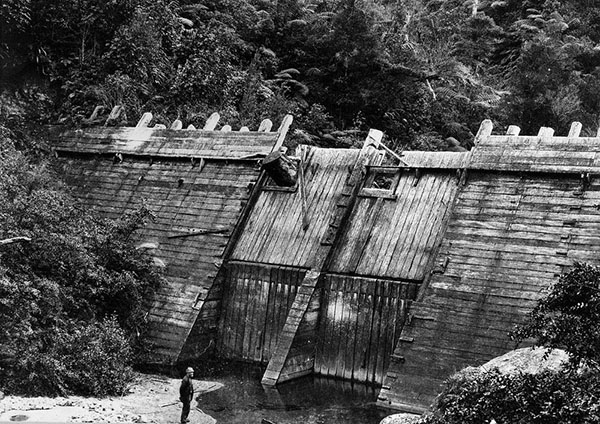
x=391 y=152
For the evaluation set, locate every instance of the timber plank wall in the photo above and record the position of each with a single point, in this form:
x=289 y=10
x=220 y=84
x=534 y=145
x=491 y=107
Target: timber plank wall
x=376 y=262
x=197 y=183
x=527 y=211
x=405 y=274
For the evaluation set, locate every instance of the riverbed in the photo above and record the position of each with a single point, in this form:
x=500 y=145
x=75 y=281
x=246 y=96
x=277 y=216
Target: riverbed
x=309 y=400
x=227 y=393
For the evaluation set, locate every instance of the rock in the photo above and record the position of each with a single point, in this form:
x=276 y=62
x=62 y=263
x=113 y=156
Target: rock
x=403 y=418
x=454 y=145
x=528 y=360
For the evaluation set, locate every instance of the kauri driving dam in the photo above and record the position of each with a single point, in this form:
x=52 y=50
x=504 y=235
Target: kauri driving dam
x=367 y=266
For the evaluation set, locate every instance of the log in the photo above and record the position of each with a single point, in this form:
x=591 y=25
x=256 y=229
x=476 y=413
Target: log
x=282 y=170
x=14 y=240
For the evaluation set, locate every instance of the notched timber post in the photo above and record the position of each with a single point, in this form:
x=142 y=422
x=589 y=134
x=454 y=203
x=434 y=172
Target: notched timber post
x=144 y=120
x=211 y=122
x=116 y=117
x=485 y=130
x=282 y=130
x=575 y=130
x=294 y=353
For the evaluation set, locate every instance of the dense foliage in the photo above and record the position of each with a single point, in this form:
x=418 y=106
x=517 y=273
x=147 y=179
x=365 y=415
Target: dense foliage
x=420 y=70
x=72 y=298
x=474 y=397
x=568 y=318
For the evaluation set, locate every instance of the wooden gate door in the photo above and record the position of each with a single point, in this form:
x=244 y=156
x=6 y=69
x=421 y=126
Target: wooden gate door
x=257 y=299
x=360 y=322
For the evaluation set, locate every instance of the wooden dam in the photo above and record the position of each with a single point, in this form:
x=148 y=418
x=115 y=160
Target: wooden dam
x=370 y=267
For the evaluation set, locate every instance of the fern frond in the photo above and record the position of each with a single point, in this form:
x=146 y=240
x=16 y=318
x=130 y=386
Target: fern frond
x=291 y=71
x=297 y=23
x=450 y=94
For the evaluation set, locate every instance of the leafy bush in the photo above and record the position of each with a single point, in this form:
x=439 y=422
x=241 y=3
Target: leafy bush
x=569 y=316
x=87 y=359
x=473 y=396
x=75 y=291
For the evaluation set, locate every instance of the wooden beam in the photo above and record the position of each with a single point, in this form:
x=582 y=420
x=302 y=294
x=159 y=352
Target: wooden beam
x=305 y=221
x=282 y=130
x=144 y=120
x=513 y=130
x=212 y=121
x=485 y=130
x=575 y=129
x=117 y=115
x=546 y=132
x=14 y=240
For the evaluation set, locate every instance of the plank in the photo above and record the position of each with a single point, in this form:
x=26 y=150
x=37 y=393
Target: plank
x=436 y=234
x=270 y=322
x=363 y=329
x=241 y=310
x=341 y=334
x=323 y=328
x=263 y=311
x=323 y=191
x=331 y=345
x=376 y=332
x=246 y=327
x=227 y=332
x=244 y=247
x=383 y=342
x=413 y=247
x=352 y=339
x=401 y=225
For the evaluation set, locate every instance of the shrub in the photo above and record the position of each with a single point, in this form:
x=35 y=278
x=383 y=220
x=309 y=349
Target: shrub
x=473 y=396
x=566 y=318
x=89 y=359
x=72 y=300
x=569 y=316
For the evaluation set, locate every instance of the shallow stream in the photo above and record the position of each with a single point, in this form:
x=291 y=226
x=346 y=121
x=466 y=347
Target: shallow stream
x=309 y=400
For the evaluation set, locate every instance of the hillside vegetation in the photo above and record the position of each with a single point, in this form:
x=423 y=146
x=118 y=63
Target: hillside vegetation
x=73 y=287
x=420 y=70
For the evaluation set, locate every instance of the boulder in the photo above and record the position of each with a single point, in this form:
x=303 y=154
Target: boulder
x=403 y=418
x=528 y=360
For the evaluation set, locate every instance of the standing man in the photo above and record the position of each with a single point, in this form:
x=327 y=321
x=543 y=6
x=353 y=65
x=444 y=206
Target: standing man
x=186 y=394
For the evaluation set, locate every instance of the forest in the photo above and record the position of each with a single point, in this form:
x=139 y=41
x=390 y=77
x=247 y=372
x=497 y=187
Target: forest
x=419 y=70
x=425 y=72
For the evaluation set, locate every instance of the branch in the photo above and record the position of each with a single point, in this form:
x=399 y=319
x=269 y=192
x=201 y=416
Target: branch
x=399 y=70
x=14 y=240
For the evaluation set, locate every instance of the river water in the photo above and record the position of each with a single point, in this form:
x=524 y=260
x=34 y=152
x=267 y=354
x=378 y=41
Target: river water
x=309 y=400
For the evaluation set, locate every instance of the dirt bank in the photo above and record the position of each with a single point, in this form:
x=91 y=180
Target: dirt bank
x=149 y=399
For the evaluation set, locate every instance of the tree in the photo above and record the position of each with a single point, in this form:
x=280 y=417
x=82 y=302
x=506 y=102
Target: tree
x=569 y=317
x=77 y=289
